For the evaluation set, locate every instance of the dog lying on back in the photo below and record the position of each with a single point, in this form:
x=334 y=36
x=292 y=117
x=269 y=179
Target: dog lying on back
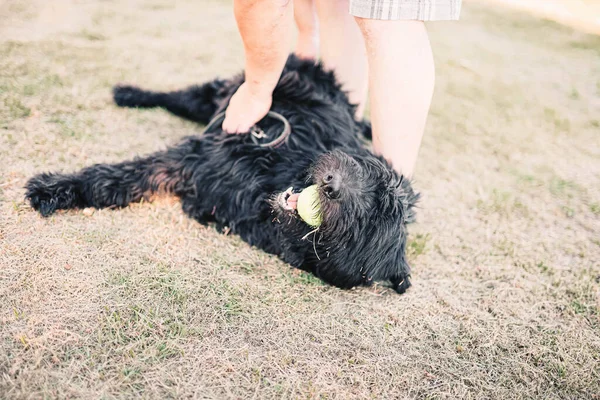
x=235 y=183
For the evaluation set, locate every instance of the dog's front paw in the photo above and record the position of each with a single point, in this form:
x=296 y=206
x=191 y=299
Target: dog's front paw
x=401 y=284
x=47 y=193
x=130 y=96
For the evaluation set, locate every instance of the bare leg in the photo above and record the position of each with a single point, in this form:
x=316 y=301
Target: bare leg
x=343 y=49
x=305 y=16
x=266 y=30
x=401 y=81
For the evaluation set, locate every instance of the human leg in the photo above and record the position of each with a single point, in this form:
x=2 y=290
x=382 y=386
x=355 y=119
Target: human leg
x=307 y=45
x=401 y=81
x=343 y=49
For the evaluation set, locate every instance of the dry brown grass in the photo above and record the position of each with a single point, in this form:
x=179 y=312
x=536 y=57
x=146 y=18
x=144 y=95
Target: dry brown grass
x=143 y=302
x=580 y=14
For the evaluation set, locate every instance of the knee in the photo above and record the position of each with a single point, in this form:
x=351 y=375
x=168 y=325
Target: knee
x=376 y=30
x=306 y=23
x=248 y=4
x=371 y=29
x=305 y=16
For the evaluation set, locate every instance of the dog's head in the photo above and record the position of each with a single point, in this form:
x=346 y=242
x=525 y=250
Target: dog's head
x=365 y=206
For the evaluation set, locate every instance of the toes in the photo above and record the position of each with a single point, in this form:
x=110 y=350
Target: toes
x=244 y=128
x=235 y=128
x=47 y=208
x=127 y=96
x=40 y=199
x=47 y=193
x=228 y=126
x=400 y=286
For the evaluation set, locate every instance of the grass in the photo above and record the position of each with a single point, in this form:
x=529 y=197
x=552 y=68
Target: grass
x=16 y=109
x=144 y=303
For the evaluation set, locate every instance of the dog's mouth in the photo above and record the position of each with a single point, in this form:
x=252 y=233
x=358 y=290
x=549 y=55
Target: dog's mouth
x=288 y=200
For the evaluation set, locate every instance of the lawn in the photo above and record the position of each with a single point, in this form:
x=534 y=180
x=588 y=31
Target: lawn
x=143 y=302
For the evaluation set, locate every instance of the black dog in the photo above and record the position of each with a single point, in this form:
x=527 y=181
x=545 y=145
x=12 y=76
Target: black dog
x=230 y=180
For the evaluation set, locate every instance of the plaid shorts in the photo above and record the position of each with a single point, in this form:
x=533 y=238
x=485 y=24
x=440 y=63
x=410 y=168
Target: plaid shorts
x=420 y=10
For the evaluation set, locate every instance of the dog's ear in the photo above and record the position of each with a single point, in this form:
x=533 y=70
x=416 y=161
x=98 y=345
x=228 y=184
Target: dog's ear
x=401 y=279
x=408 y=198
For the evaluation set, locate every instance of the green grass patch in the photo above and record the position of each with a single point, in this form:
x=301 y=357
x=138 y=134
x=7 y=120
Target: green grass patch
x=72 y=126
x=41 y=85
x=298 y=277
x=503 y=203
x=15 y=109
x=574 y=95
x=545 y=268
x=157 y=6
x=564 y=188
x=231 y=302
x=417 y=245
x=9 y=48
x=167 y=284
x=92 y=36
x=560 y=123
x=568 y=211
x=587 y=42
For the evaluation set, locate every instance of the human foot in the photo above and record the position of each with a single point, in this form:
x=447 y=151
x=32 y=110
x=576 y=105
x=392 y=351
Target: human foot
x=247 y=106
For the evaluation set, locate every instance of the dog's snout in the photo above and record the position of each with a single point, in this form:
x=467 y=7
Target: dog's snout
x=331 y=185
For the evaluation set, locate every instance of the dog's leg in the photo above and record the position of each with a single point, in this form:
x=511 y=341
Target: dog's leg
x=196 y=209
x=364 y=127
x=104 y=185
x=400 y=284
x=196 y=103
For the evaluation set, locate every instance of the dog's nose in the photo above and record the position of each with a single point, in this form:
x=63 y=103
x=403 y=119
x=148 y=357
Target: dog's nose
x=331 y=185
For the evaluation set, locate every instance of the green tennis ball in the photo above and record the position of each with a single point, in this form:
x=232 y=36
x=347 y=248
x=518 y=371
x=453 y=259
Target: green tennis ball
x=309 y=206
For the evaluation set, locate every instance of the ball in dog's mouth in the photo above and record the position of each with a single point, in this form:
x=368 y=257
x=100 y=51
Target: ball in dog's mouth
x=306 y=203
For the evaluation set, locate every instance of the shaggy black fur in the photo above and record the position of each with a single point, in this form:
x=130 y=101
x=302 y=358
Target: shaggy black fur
x=229 y=180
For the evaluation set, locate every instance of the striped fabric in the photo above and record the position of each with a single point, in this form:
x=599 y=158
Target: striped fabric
x=421 y=10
